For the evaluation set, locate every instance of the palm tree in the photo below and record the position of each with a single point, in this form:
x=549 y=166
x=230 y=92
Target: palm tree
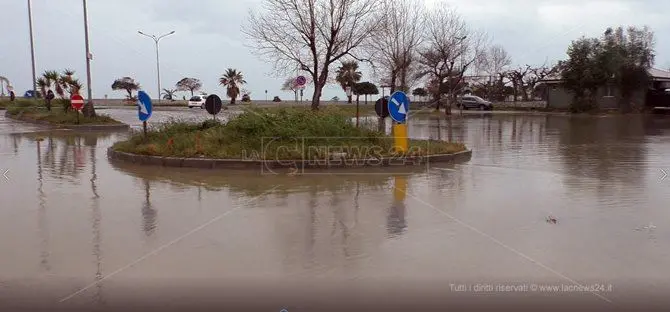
x=68 y=72
x=232 y=79
x=168 y=94
x=74 y=86
x=43 y=85
x=50 y=77
x=348 y=75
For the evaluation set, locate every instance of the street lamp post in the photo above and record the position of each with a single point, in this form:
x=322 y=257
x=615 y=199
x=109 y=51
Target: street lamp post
x=32 y=46
x=158 y=66
x=89 y=56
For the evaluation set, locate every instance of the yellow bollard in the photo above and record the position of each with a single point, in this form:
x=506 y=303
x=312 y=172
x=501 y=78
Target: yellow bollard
x=400 y=137
x=400 y=189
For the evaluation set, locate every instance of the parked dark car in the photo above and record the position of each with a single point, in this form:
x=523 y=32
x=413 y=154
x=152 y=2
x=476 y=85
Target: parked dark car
x=473 y=101
x=246 y=98
x=276 y=99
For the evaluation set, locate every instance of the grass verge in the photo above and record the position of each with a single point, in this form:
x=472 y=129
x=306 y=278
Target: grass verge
x=349 y=109
x=276 y=135
x=30 y=110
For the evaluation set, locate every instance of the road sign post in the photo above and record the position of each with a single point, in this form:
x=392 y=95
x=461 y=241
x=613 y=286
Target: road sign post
x=213 y=104
x=382 y=110
x=77 y=103
x=398 y=106
x=144 y=109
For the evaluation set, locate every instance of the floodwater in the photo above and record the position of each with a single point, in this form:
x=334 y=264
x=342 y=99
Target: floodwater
x=78 y=230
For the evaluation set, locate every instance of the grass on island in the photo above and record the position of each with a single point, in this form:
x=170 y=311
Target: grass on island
x=348 y=109
x=281 y=134
x=36 y=111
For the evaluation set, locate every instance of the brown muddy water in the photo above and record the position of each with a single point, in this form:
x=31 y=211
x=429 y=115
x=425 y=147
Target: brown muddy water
x=77 y=231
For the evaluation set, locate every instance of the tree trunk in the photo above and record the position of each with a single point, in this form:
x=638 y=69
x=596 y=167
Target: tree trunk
x=393 y=81
x=232 y=100
x=366 y=99
x=88 y=110
x=525 y=93
x=516 y=90
x=403 y=80
x=317 y=96
x=436 y=98
x=318 y=87
x=447 y=110
x=191 y=92
x=358 y=96
x=349 y=99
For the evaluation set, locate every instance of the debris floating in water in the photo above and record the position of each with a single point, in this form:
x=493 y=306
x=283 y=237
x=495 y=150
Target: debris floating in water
x=649 y=227
x=551 y=219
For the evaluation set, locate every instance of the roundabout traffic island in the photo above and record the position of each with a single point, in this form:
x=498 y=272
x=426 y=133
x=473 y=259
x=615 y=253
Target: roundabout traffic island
x=59 y=117
x=287 y=138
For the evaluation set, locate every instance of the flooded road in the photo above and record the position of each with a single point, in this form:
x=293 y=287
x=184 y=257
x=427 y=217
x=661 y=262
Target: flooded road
x=76 y=228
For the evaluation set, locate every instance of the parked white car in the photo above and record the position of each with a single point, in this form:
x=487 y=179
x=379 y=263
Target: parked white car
x=197 y=101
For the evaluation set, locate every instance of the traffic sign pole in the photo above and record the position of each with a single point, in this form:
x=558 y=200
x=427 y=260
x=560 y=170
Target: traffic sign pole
x=144 y=109
x=400 y=137
x=77 y=103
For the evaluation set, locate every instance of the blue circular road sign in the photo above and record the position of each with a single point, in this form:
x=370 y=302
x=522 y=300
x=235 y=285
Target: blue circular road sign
x=144 y=107
x=399 y=106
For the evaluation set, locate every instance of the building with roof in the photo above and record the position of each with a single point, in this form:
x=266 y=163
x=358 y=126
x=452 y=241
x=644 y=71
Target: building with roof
x=609 y=96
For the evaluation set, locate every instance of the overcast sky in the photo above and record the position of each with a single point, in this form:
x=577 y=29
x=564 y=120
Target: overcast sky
x=208 y=38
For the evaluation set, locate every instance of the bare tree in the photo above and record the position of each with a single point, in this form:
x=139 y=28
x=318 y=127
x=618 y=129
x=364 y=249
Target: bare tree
x=491 y=71
x=525 y=78
x=517 y=77
x=449 y=50
x=495 y=60
x=325 y=30
x=394 y=48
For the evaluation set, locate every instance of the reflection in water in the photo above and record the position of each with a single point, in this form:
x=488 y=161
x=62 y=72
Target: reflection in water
x=602 y=149
x=42 y=218
x=310 y=255
x=357 y=205
x=96 y=218
x=148 y=212
x=396 y=223
x=339 y=221
x=16 y=140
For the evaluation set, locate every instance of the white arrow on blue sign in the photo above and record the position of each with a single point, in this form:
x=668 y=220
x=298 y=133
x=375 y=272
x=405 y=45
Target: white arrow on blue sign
x=144 y=106
x=399 y=106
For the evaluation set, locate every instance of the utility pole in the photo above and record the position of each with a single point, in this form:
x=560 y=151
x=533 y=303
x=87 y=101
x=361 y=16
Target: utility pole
x=89 y=56
x=158 y=66
x=32 y=45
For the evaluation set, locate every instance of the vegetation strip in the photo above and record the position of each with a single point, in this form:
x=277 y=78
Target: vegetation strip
x=60 y=115
x=284 y=135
